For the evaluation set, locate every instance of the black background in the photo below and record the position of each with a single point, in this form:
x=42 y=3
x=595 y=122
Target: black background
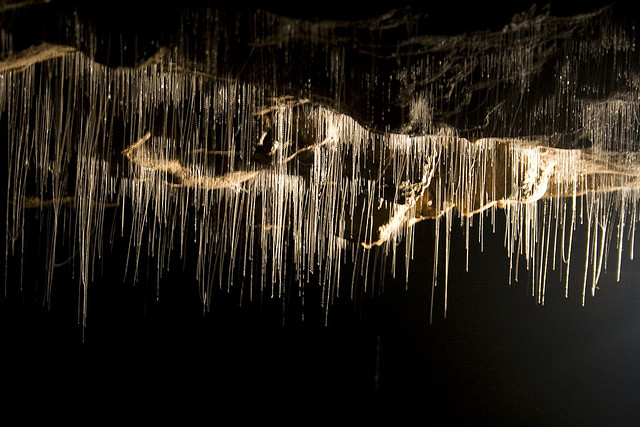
x=497 y=359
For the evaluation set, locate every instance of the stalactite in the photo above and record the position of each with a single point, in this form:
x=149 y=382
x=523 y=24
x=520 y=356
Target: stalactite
x=537 y=121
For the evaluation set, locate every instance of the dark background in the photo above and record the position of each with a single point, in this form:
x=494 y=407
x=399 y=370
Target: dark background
x=497 y=359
